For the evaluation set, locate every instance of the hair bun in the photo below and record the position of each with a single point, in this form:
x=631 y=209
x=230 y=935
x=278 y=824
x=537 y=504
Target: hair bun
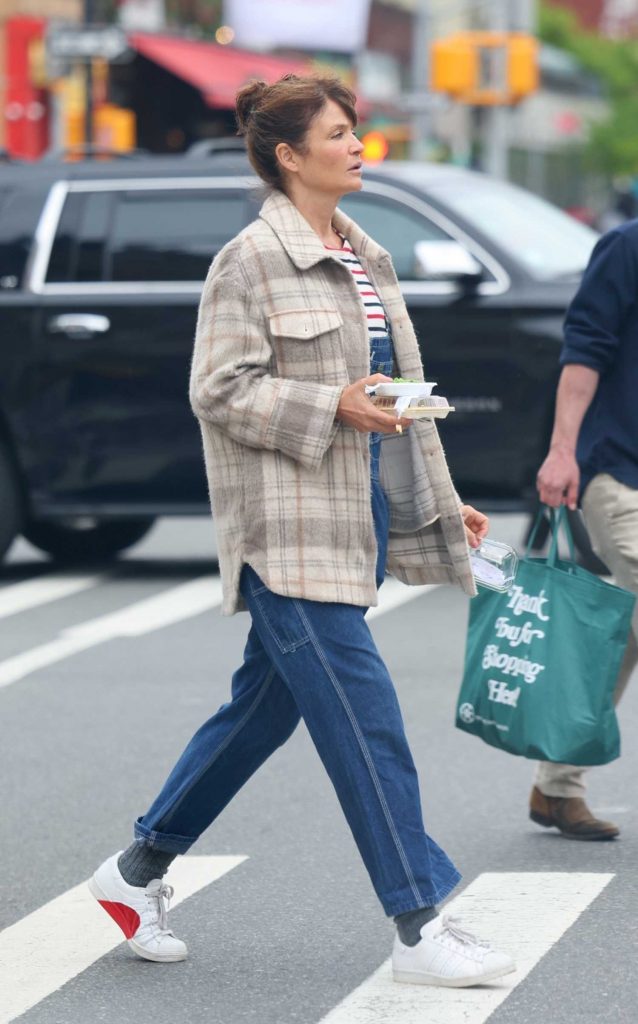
x=247 y=100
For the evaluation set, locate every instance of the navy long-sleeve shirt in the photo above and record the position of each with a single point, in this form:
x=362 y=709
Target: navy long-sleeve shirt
x=601 y=331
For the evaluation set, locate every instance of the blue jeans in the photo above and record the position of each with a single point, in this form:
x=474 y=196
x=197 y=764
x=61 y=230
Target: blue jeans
x=381 y=361
x=316 y=661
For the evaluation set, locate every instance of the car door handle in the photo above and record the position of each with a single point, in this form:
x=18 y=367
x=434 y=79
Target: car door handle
x=79 y=325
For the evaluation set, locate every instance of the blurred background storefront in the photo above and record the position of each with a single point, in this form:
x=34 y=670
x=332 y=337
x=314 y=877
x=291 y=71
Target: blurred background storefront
x=162 y=74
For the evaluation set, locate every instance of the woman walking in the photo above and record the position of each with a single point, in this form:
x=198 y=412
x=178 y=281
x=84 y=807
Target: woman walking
x=314 y=491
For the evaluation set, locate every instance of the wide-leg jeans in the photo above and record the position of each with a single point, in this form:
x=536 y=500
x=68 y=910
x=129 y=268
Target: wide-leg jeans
x=316 y=661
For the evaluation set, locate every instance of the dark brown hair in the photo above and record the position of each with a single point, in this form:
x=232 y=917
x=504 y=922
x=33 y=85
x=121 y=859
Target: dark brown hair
x=283 y=112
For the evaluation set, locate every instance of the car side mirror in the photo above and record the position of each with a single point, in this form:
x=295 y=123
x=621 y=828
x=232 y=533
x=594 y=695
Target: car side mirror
x=447 y=261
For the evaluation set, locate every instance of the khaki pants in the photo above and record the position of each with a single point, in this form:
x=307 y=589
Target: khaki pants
x=611 y=515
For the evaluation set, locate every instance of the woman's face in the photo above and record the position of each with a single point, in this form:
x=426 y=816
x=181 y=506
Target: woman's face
x=331 y=163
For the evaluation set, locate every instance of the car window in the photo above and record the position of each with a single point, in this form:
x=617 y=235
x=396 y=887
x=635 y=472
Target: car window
x=395 y=227
x=92 y=232
x=154 y=235
x=548 y=242
x=171 y=235
x=19 y=212
x=78 y=249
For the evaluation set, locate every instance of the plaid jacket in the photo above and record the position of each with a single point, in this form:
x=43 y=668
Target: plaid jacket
x=280 y=332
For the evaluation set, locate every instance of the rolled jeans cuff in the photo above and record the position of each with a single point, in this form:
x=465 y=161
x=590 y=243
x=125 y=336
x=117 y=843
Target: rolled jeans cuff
x=393 y=907
x=163 y=840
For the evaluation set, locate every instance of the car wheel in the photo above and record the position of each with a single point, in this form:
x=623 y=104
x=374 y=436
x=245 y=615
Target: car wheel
x=86 y=540
x=10 y=503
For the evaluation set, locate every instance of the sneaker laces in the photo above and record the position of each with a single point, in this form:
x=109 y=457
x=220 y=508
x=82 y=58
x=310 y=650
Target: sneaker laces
x=453 y=926
x=161 y=896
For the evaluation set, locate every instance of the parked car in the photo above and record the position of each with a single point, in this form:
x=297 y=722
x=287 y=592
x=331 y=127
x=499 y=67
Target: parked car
x=101 y=269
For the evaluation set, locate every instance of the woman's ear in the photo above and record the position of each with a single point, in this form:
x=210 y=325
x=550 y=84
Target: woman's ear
x=286 y=157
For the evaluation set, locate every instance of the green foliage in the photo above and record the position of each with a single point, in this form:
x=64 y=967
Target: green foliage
x=613 y=146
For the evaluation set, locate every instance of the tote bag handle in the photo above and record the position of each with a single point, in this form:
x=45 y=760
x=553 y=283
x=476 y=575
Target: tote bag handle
x=557 y=521
x=560 y=522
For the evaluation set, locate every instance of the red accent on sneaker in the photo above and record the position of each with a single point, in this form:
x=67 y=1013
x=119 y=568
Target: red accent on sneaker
x=127 y=918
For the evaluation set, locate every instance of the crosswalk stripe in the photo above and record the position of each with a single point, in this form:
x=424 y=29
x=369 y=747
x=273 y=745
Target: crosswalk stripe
x=144 y=616
x=20 y=597
x=393 y=594
x=522 y=913
x=152 y=613
x=49 y=947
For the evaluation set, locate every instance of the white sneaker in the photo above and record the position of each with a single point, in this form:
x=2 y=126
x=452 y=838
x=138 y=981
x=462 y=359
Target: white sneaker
x=448 y=955
x=140 y=913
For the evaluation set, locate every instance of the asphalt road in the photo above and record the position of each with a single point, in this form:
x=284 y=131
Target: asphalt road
x=295 y=928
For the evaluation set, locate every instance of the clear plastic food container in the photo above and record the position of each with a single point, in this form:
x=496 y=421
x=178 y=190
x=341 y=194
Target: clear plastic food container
x=494 y=565
x=412 y=399
x=402 y=389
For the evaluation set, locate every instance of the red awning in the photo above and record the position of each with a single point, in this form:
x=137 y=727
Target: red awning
x=217 y=71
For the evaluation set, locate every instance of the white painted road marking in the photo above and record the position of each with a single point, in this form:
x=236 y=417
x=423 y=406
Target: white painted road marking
x=153 y=613
x=19 y=597
x=524 y=914
x=393 y=594
x=49 y=947
x=144 y=616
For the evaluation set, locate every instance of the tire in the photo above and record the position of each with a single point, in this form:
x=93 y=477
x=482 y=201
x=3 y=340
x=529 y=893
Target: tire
x=81 y=541
x=586 y=556
x=10 y=503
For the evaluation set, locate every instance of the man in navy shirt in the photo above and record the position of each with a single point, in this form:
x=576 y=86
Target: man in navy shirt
x=593 y=458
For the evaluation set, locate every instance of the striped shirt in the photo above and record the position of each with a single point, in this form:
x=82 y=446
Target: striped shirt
x=377 y=324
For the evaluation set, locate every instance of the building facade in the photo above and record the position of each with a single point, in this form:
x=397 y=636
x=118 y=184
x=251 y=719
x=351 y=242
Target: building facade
x=21 y=94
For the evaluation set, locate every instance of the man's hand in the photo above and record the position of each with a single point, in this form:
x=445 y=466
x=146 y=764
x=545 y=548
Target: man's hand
x=356 y=410
x=558 y=478
x=476 y=525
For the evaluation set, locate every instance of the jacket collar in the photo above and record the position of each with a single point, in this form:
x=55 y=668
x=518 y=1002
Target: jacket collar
x=302 y=244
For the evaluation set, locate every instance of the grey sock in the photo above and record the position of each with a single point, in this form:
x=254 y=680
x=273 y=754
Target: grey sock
x=409 y=925
x=141 y=862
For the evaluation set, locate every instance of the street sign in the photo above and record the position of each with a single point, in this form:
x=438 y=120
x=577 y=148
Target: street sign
x=83 y=42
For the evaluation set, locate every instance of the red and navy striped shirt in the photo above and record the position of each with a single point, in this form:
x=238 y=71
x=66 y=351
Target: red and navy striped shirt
x=377 y=324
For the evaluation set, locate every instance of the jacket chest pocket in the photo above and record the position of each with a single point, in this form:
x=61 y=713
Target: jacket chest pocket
x=308 y=344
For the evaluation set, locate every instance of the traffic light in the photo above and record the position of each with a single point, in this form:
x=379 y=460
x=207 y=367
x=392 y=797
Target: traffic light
x=454 y=66
x=114 y=127
x=485 y=68
x=522 y=66
x=375 y=147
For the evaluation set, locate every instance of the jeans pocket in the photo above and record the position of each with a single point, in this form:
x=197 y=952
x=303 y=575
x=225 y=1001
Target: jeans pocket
x=279 y=614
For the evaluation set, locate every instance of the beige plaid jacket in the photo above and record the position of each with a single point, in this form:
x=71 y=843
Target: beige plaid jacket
x=280 y=332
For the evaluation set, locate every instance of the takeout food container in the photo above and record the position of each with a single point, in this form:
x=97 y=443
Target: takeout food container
x=430 y=406
x=395 y=389
x=494 y=565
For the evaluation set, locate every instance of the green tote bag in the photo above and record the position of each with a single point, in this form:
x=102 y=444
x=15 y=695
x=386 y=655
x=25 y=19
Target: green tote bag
x=542 y=660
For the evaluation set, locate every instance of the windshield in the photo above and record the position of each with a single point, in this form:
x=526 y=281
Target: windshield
x=548 y=242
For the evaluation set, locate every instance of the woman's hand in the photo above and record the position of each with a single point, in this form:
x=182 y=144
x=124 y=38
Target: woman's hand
x=476 y=525
x=356 y=410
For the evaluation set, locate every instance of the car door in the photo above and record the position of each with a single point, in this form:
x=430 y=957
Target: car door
x=117 y=285
x=465 y=340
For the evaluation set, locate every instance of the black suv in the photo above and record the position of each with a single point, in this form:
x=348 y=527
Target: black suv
x=101 y=268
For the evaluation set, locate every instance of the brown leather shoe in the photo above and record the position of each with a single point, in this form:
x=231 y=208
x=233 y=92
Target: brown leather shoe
x=570 y=815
